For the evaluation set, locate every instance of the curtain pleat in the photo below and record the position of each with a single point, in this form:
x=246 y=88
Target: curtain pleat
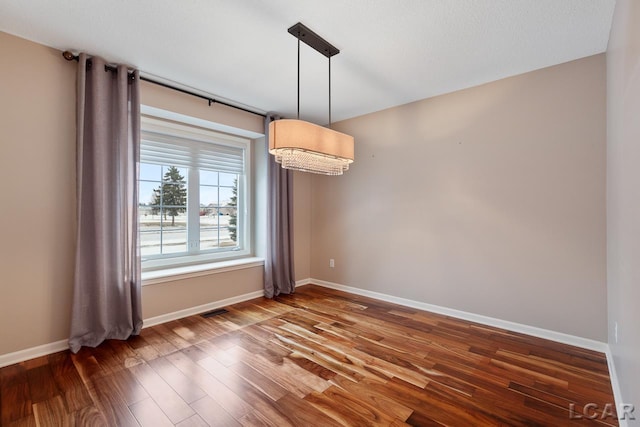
x=279 y=277
x=107 y=293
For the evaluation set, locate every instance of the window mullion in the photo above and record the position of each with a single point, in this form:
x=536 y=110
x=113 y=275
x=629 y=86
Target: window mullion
x=242 y=226
x=218 y=210
x=193 y=211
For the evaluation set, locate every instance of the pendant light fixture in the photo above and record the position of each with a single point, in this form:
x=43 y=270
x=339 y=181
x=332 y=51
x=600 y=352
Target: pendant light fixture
x=304 y=146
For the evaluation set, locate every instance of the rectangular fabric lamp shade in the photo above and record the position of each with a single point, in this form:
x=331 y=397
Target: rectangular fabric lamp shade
x=305 y=146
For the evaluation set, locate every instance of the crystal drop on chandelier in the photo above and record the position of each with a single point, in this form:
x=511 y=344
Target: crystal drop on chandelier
x=307 y=161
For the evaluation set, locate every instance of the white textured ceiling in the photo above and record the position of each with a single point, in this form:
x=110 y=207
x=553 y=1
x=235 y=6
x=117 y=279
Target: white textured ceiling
x=392 y=51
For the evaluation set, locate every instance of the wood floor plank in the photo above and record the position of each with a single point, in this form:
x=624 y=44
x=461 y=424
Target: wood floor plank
x=126 y=355
x=168 y=334
x=149 y=414
x=162 y=345
x=315 y=358
x=88 y=416
x=162 y=393
x=303 y=413
x=258 y=380
x=253 y=394
x=68 y=382
x=212 y=413
x=278 y=373
x=51 y=412
x=29 y=421
x=64 y=372
x=87 y=366
x=374 y=397
x=108 y=359
x=226 y=356
x=128 y=387
x=16 y=401
x=177 y=380
x=353 y=406
x=193 y=421
x=41 y=383
x=214 y=388
x=111 y=404
x=272 y=352
x=256 y=420
x=311 y=366
x=431 y=405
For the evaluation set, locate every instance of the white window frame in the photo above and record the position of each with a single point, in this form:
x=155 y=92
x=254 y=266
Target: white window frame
x=202 y=132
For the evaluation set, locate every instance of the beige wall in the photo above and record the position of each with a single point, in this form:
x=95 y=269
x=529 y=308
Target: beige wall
x=37 y=176
x=490 y=200
x=623 y=197
x=167 y=99
x=37 y=214
x=168 y=297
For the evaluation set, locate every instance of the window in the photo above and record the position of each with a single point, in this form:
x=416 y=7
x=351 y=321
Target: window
x=194 y=186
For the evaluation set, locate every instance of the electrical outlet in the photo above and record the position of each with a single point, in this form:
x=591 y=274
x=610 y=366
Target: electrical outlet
x=615 y=331
x=332 y=263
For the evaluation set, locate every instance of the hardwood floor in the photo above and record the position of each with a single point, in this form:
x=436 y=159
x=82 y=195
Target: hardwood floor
x=317 y=358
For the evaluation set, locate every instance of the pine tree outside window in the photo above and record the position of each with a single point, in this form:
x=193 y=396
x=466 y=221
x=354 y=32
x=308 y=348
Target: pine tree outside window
x=171 y=196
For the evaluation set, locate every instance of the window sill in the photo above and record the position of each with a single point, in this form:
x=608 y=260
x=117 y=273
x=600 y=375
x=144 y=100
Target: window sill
x=186 y=272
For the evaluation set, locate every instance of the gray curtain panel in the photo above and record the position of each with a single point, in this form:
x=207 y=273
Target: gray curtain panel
x=279 y=277
x=106 y=297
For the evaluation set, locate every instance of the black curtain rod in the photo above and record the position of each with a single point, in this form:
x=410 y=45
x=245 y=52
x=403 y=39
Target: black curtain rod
x=69 y=56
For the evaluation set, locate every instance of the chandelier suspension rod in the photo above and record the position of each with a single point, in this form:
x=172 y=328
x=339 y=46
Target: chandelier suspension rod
x=298 y=116
x=329 y=92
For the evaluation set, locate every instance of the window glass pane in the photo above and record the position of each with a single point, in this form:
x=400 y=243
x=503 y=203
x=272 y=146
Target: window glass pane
x=174 y=239
x=218 y=213
x=208 y=178
x=208 y=196
x=227 y=179
x=227 y=196
x=209 y=220
x=208 y=238
x=149 y=218
x=231 y=221
x=174 y=229
x=174 y=216
x=163 y=211
x=150 y=242
x=146 y=192
x=173 y=194
x=225 y=237
x=149 y=172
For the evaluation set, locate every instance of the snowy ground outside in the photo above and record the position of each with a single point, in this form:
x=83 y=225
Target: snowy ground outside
x=157 y=235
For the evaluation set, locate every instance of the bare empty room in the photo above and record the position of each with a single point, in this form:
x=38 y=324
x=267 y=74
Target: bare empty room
x=320 y=213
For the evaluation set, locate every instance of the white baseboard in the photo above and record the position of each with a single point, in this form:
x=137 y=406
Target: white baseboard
x=615 y=385
x=485 y=320
x=164 y=318
x=54 y=347
x=33 y=352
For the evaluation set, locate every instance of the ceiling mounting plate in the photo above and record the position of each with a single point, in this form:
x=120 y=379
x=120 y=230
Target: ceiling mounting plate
x=310 y=38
